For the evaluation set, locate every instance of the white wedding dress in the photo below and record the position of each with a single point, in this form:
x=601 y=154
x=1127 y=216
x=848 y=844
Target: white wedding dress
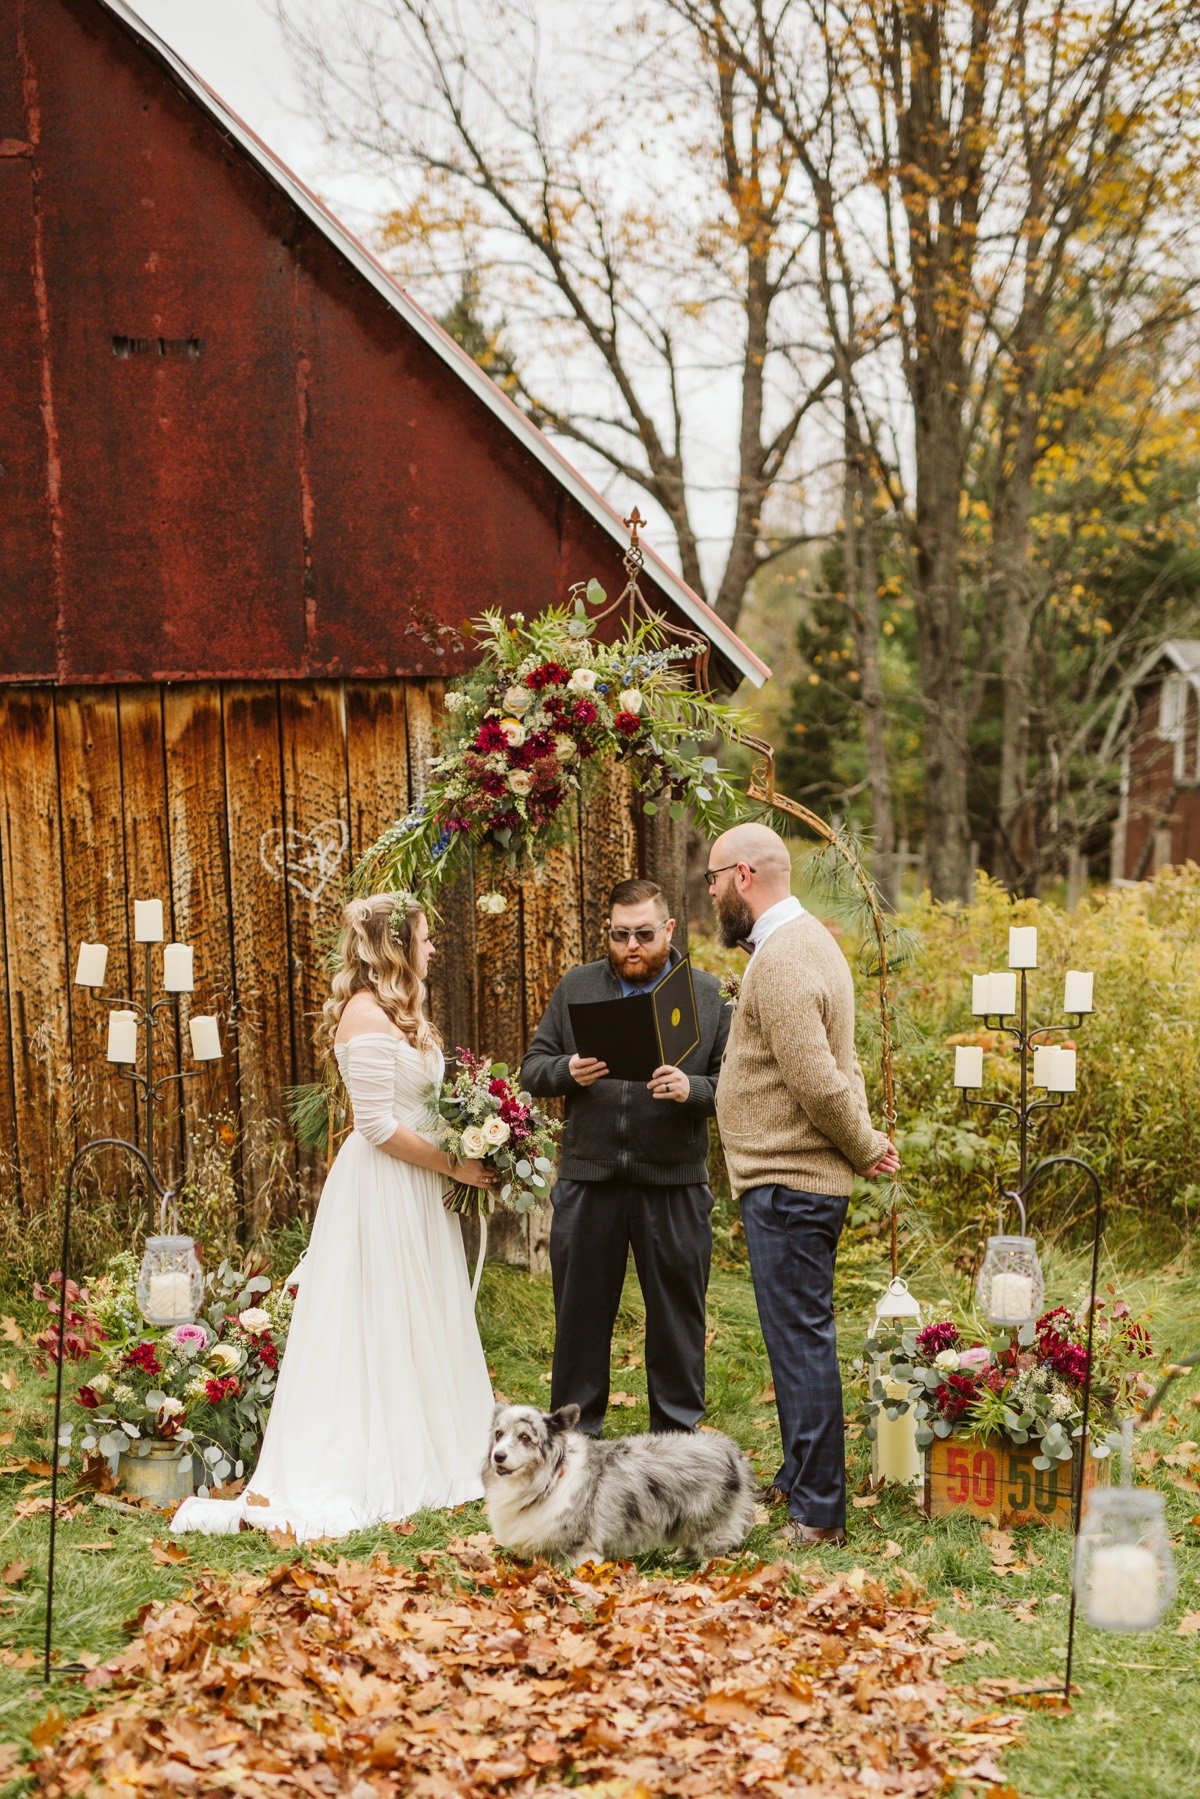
x=383 y=1403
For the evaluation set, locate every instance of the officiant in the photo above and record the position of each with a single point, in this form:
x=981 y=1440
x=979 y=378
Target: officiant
x=632 y=1174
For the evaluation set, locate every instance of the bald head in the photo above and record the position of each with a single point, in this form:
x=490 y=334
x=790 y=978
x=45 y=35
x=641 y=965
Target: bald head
x=749 y=870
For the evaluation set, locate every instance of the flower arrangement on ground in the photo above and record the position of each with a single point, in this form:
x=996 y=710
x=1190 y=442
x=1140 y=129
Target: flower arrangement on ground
x=481 y=1115
x=527 y=731
x=205 y=1388
x=1024 y=1386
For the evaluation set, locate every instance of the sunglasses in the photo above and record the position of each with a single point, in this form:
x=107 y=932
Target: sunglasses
x=710 y=874
x=646 y=934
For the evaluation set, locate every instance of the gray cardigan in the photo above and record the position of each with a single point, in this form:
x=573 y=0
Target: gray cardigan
x=616 y=1128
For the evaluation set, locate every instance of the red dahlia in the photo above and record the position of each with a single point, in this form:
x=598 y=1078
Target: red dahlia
x=142 y=1356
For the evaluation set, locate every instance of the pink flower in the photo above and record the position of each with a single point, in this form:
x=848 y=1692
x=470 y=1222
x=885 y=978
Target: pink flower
x=190 y=1336
x=975 y=1359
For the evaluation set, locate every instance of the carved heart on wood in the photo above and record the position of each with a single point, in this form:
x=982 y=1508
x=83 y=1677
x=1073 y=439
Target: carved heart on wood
x=306 y=860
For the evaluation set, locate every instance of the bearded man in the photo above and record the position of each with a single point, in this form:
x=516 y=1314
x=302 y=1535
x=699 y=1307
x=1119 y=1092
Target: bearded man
x=795 y=1129
x=632 y=1174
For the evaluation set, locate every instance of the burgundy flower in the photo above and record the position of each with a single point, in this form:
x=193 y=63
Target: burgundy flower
x=222 y=1387
x=935 y=1337
x=142 y=1356
x=490 y=737
x=87 y=1397
x=954 y=1396
x=494 y=783
x=584 y=713
x=268 y=1355
x=550 y=674
x=499 y=1089
x=627 y=723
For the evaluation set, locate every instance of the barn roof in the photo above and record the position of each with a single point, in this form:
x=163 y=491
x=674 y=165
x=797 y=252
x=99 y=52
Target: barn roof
x=729 y=647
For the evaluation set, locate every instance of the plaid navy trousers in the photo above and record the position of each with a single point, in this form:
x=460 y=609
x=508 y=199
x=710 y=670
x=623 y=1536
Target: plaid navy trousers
x=792 y=1238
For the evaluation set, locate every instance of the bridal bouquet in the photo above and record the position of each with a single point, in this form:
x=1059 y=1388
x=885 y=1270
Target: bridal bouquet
x=481 y=1115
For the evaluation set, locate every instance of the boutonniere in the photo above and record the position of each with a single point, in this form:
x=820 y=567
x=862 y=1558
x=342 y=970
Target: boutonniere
x=731 y=986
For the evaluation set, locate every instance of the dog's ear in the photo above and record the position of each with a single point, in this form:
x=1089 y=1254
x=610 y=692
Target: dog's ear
x=497 y=1411
x=566 y=1418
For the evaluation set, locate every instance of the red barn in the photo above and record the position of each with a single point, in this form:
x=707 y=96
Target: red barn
x=251 y=495
x=1158 y=822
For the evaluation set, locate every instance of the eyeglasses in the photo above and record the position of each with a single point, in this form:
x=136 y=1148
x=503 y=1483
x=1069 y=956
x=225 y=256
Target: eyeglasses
x=710 y=874
x=646 y=934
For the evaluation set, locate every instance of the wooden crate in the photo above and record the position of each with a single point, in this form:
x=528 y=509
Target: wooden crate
x=998 y=1482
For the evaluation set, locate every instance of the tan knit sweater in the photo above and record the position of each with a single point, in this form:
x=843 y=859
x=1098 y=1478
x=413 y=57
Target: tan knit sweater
x=791 y=1103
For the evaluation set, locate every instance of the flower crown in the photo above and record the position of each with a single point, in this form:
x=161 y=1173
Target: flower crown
x=398 y=917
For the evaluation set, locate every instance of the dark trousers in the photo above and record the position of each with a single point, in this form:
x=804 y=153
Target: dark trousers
x=792 y=1239
x=594 y=1225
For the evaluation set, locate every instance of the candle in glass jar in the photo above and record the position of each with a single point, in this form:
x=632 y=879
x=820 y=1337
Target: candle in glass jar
x=1022 y=946
x=981 y=994
x=968 y=1065
x=169 y=1295
x=206 y=1039
x=1003 y=994
x=1123 y=1590
x=1077 y=996
x=92 y=965
x=147 y=921
x=1061 y=1070
x=177 y=968
x=122 y=1037
x=1011 y=1297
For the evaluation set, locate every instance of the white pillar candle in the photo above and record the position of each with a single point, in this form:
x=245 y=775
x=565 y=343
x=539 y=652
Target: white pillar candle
x=1123 y=1591
x=92 y=965
x=897 y=1457
x=206 y=1039
x=1011 y=1298
x=1077 y=995
x=177 y=968
x=169 y=1295
x=968 y=1065
x=1042 y=1052
x=147 y=921
x=1003 y=994
x=981 y=994
x=1061 y=1070
x=122 y=1037
x=1022 y=946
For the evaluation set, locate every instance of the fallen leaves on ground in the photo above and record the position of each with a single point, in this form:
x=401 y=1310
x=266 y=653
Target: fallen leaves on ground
x=476 y=1676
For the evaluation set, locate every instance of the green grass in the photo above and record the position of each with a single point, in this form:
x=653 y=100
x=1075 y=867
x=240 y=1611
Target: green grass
x=1133 y=1730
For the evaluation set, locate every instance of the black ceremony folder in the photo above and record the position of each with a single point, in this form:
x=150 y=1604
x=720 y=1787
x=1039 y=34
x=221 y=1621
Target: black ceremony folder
x=644 y=1032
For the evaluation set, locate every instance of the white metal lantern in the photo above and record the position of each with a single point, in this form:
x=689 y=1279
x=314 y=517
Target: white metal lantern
x=170 y=1285
x=1124 y=1568
x=1011 y=1287
x=894 y=1453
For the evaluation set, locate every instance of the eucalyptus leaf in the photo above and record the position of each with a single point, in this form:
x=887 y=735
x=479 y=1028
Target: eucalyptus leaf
x=595 y=593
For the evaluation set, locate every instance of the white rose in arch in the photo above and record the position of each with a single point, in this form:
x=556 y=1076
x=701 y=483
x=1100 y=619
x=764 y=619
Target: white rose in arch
x=495 y=1132
x=171 y=1408
x=564 y=748
x=631 y=700
x=514 y=732
x=518 y=699
x=521 y=781
x=254 y=1319
x=583 y=680
x=474 y=1143
x=948 y=1359
x=492 y=904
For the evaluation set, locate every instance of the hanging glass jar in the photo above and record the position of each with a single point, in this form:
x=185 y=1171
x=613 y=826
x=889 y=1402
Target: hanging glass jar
x=1124 y=1567
x=1011 y=1287
x=170 y=1285
x=894 y=1452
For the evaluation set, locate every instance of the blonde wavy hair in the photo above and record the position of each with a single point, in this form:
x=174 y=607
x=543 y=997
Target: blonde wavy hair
x=375 y=957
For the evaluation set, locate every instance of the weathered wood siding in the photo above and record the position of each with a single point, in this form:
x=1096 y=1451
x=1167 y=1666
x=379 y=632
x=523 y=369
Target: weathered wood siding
x=242 y=806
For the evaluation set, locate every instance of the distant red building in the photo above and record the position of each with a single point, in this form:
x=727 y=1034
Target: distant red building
x=251 y=496
x=1158 y=822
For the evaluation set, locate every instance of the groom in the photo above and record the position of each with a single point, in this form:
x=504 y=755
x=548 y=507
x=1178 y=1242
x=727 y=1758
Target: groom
x=632 y=1173
x=795 y=1129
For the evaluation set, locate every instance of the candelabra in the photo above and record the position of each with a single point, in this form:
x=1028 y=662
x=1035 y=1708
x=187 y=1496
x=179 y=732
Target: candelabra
x=161 y=1282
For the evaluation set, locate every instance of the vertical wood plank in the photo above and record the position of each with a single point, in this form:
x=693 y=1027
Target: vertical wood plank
x=453 y=997
x=552 y=928
x=148 y=876
x=376 y=759
x=258 y=893
x=317 y=863
x=609 y=853
x=35 y=940
x=195 y=769
x=96 y=896
x=10 y=1161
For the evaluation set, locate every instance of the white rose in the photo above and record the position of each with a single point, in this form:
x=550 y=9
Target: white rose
x=631 y=700
x=495 y=1132
x=582 y=680
x=564 y=748
x=254 y=1319
x=224 y=1355
x=518 y=700
x=101 y=1385
x=474 y=1143
x=521 y=781
x=948 y=1359
x=170 y=1408
x=514 y=732
x=492 y=904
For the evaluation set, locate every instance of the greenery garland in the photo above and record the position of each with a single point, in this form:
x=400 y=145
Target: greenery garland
x=533 y=727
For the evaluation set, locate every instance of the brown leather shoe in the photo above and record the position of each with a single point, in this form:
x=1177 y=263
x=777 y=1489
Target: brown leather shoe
x=807 y=1536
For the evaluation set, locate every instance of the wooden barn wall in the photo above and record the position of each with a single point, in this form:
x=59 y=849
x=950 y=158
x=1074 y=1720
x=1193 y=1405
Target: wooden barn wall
x=242 y=805
x=1159 y=807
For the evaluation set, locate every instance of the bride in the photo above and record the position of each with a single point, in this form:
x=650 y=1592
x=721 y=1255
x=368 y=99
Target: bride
x=383 y=1401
